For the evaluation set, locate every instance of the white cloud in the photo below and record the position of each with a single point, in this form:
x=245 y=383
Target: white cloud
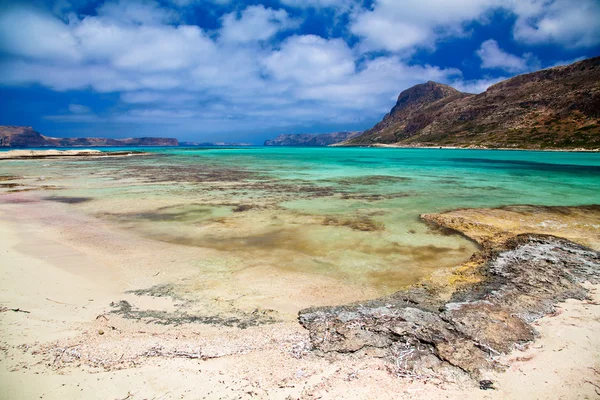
x=136 y=12
x=492 y=56
x=79 y=109
x=310 y=60
x=566 y=22
x=476 y=85
x=33 y=34
x=402 y=25
x=338 y=4
x=255 y=23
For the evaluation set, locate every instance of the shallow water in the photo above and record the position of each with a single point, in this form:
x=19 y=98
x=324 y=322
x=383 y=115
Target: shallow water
x=350 y=214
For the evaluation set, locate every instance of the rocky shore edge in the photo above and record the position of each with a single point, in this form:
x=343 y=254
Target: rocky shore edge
x=431 y=331
x=39 y=154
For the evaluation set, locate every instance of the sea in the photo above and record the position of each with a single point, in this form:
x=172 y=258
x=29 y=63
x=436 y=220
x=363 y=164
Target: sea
x=348 y=214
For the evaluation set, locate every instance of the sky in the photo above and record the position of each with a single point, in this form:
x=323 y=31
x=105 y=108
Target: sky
x=245 y=71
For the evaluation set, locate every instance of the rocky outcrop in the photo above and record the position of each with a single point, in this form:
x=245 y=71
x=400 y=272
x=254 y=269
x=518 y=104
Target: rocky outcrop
x=553 y=108
x=309 y=140
x=25 y=136
x=427 y=331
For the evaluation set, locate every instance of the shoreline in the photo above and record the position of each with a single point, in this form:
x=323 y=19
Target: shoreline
x=84 y=153
x=271 y=361
x=45 y=154
x=397 y=146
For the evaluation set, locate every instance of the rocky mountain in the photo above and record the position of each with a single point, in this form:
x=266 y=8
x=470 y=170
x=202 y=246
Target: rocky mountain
x=25 y=136
x=311 y=140
x=553 y=108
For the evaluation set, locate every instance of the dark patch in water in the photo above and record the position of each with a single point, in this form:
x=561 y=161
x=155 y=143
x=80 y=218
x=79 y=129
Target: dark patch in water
x=532 y=209
x=374 y=197
x=165 y=214
x=9 y=185
x=528 y=165
x=369 y=180
x=244 y=207
x=9 y=178
x=69 y=200
x=362 y=223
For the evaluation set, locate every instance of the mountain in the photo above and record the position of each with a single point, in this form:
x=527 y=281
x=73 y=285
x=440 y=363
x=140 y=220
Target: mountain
x=311 y=140
x=25 y=136
x=553 y=108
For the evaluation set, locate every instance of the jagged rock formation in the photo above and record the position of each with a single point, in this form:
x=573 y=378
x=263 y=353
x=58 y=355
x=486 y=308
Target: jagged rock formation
x=25 y=136
x=553 y=108
x=310 y=140
x=428 y=330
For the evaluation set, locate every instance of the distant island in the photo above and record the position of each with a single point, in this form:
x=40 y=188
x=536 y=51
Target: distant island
x=311 y=140
x=26 y=136
x=209 y=144
x=555 y=108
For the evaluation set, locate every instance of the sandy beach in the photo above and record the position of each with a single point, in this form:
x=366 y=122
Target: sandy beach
x=62 y=339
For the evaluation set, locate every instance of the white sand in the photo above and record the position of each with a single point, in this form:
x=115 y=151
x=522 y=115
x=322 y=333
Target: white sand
x=65 y=288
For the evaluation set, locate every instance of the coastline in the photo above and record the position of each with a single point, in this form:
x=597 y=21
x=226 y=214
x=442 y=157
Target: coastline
x=398 y=146
x=84 y=153
x=64 y=353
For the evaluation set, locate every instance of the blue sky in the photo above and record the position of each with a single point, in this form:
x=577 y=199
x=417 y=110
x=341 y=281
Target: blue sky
x=227 y=70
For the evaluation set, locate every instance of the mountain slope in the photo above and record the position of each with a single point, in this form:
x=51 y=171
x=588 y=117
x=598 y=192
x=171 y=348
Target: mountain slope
x=553 y=108
x=304 y=139
x=25 y=136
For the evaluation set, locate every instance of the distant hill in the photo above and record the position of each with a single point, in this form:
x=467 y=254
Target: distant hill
x=209 y=144
x=25 y=136
x=305 y=139
x=553 y=108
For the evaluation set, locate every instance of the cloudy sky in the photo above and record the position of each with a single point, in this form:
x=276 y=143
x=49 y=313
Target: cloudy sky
x=232 y=70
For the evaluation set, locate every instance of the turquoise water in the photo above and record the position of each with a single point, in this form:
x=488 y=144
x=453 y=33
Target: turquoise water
x=435 y=179
x=349 y=214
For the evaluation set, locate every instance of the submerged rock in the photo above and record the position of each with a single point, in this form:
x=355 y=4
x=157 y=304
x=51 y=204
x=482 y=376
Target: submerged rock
x=423 y=333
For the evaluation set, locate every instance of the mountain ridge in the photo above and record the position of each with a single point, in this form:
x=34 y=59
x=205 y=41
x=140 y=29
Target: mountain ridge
x=26 y=136
x=310 y=140
x=554 y=108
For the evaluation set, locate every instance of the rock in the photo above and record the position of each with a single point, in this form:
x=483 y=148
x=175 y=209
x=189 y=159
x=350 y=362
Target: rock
x=419 y=330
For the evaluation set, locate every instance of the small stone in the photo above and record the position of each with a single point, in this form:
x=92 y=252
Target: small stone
x=486 y=385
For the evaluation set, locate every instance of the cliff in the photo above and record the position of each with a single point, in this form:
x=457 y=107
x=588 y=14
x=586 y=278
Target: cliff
x=25 y=136
x=311 y=140
x=553 y=108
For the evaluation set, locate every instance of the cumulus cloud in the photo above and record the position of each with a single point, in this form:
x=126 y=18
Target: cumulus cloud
x=338 y=4
x=310 y=59
x=492 y=56
x=568 y=23
x=255 y=23
x=136 y=11
x=401 y=25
